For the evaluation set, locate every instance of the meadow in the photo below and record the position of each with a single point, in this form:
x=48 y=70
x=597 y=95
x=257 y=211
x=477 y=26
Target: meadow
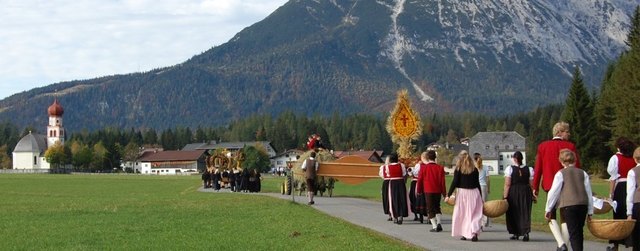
x=134 y=212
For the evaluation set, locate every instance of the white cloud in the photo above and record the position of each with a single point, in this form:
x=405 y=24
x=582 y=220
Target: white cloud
x=45 y=42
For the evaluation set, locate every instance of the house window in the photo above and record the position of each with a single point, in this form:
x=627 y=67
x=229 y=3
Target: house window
x=501 y=158
x=501 y=167
x=35 y=160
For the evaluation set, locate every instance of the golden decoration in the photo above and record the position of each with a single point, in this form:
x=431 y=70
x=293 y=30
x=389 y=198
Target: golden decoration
x=404 y=125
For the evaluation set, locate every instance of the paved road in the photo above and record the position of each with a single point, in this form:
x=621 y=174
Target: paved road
x=369 y=214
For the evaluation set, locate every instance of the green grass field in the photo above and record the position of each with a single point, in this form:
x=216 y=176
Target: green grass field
x=129 y=212
x=132 y=212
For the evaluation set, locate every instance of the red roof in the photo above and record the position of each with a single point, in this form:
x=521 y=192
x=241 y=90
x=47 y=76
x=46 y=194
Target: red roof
x=55 y=109
x=172 y=156
x=368 y=155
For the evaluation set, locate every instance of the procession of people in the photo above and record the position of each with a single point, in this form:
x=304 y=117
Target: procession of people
x=557 y=170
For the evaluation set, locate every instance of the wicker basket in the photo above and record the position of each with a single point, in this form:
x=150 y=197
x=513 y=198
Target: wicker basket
x=451 y=201
x=606 y=207
x=611 y=229
x=495 y=208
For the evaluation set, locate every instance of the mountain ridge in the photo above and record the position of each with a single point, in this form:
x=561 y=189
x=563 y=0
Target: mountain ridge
x=321 y=57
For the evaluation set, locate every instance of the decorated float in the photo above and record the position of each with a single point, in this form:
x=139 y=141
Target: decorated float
x=403 y=124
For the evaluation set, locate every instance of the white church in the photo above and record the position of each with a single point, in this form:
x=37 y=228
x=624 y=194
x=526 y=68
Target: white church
x=29 y=152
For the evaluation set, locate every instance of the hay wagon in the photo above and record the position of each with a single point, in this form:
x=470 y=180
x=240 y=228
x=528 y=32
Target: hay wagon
x=351 y=170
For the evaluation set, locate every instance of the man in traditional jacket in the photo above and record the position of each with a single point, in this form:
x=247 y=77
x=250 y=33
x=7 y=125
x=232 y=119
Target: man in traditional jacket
x=310 y=167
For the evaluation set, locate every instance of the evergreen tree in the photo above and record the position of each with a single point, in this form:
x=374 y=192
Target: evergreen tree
x=633 y=38
x=519 y=128
x=578 y=112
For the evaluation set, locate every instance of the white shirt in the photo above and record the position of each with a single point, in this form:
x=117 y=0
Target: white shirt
x=415 y=170
x=631 y=188
x=556 y=187
x=483 y=175
x=304 y=164
x=509 y=170
x=612 y=167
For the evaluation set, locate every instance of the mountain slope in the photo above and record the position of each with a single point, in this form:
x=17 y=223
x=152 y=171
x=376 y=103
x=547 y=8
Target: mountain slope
x=321 y=57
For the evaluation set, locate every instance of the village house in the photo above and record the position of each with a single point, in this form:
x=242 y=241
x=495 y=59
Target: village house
x=280 y=161
x=371 y=155
x=497 y=149
x=172 y=162
x=231 y=146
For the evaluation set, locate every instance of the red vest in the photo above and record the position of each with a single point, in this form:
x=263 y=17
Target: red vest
x=395 y=170
x=431 y=179
x=624 y=165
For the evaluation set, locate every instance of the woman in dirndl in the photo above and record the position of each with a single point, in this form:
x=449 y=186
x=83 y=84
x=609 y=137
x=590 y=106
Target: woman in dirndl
x=467 y=212
x=517 y=191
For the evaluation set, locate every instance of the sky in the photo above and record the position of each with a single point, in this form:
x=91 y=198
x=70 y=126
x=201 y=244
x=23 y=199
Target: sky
x=43 y=42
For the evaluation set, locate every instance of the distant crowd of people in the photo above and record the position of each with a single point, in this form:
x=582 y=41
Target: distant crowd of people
x=236 y=180
x=557 y=170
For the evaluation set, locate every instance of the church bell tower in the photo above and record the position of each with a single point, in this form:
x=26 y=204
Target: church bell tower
x=55 y=131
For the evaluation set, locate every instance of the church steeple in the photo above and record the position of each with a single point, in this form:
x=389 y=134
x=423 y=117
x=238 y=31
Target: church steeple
x=55 y=131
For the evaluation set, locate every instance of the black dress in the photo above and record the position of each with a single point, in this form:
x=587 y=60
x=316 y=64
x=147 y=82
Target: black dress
x=520 y=200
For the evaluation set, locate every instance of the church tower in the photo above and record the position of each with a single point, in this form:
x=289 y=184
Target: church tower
x=55 y=131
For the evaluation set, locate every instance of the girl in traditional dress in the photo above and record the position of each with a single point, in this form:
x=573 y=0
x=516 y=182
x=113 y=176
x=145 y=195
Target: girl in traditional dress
x=633 y=199
x=385 y=189
x=467 y=212
x=485 y=185
x=618 y=167
x=398 y=206
x=517 y=191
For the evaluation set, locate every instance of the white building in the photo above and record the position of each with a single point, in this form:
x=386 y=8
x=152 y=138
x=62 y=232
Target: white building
x=172 y=162
x=281 y=160
x=29 y=152
x=497 y=149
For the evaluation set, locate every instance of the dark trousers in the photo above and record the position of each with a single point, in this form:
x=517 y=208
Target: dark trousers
x=575 y=216
x=635 y=235
x=433 y=204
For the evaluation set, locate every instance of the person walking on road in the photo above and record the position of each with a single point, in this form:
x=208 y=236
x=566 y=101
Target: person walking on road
x=398 y=208
x=517 y=191
x=467 y=212
x=571 y=193
x=618 y=168
x=485 y=183
x=414 y=199
x=310 y=168
x=633 y=199
x=385 y=189
x=432 y=186
x=547 y=165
